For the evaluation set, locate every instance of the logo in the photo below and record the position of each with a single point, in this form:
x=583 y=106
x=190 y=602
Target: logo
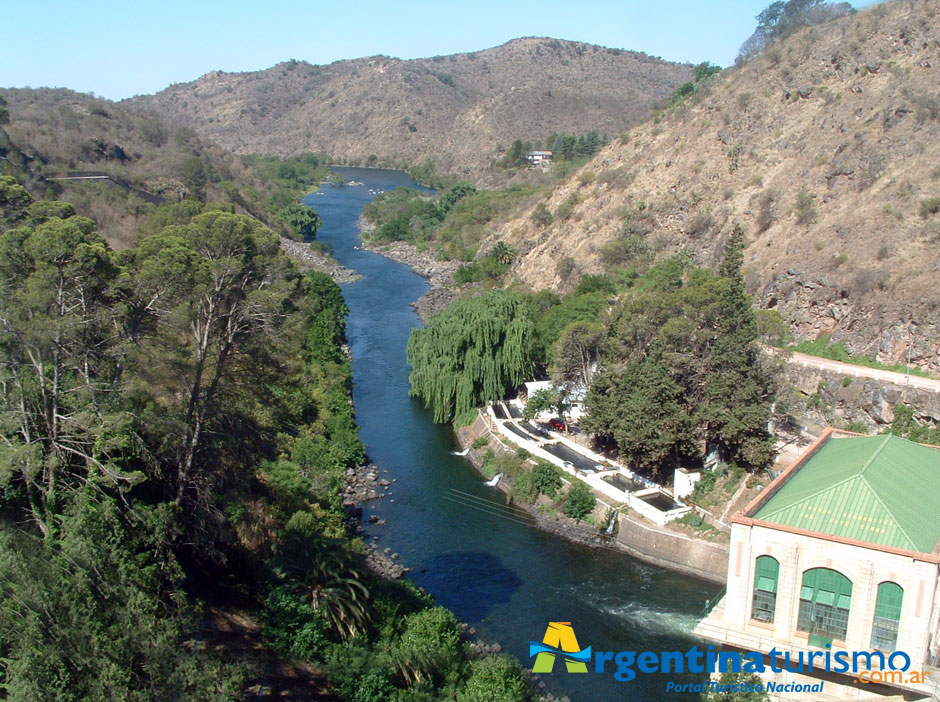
x=559 y=640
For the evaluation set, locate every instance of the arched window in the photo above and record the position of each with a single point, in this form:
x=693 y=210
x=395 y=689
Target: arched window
x=884 y=630
x=825 y=599
x=764 y=603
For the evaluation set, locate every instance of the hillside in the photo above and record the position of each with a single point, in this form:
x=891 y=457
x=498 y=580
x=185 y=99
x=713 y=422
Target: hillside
x=454 y=109
x=53 y=133
x=825 y=149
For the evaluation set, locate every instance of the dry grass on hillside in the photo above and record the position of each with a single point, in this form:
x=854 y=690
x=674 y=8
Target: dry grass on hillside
x=825 y=148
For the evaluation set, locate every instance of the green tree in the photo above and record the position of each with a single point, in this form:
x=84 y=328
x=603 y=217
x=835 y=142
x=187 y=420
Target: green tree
x=575 y=354
x=83 y=619
x=580 y=501
x=735 y=407
x=304 y=221
x=13 y=201
x=541 y=217
x=59 y=362
x=453 y=195
x=193 y=174
x=545 y=401
x=495 y=679
x=503 y=253
x=218 y=285
x=471 y=353
x=644 y=408
x=330 y=579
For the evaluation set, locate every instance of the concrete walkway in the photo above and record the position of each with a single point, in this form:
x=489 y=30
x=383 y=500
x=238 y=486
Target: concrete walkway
x=807 y=361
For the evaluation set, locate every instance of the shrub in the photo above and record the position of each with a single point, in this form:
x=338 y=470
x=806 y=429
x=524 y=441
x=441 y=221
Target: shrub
x=805 y=207
x=580 y=502
x=541 y=217
x=565 y=267
x=495 y=679
x=546 y=478
x=564 y=211
x=468 y=274
x=929 y=206
x=524 y=488
x=586 y=177
x=765 y=212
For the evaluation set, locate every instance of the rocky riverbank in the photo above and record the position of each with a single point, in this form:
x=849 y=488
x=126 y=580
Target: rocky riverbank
x=440 y=274
x=364 y=484
x=309 y=259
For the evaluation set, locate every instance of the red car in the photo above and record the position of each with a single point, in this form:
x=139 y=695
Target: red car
x=557 y=425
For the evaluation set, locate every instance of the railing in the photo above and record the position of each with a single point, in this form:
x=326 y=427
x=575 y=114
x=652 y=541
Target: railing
x=710 y=603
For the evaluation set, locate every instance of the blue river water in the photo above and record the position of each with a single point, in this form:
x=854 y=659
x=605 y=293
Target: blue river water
x=476 y=555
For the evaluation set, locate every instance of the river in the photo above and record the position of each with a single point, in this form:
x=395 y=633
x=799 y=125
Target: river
x=485 y=562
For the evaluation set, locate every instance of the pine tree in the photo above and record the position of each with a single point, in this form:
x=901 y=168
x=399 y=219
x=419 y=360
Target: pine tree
x=737 y=394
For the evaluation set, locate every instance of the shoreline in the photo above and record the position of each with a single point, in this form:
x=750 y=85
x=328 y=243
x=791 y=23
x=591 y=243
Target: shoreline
x=308 y=259
x=439 y=274
x=577 y=532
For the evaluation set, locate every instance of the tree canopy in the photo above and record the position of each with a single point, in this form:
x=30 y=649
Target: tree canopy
x=471 y=353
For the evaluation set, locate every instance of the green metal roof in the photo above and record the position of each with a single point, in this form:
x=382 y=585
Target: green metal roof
x=880 y=489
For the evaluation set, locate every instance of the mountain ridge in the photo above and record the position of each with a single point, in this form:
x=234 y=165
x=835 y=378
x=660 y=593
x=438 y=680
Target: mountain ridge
x=454 y=109
x=824 y=148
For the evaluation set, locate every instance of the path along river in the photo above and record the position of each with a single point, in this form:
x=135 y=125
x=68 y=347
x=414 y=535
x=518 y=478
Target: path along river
x=487 y=563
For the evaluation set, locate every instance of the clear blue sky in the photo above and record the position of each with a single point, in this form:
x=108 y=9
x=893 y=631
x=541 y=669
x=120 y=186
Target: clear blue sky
x=119 y=49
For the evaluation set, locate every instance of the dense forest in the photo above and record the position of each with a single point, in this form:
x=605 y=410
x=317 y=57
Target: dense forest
x=175 y=426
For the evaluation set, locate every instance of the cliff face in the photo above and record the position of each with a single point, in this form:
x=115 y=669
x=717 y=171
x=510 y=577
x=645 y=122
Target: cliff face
x=455 y=109
x=825 y=149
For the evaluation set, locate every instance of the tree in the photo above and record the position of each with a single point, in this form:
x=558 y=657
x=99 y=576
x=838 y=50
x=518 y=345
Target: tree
x=328 y=576
x=193 y=174
x=212 y=290
x=574 y=356
x=453 y=195
x=503 y=253
x=782 y=18
x=84 y=617
x=59 y=362
x=303 y=220
x=541 y=217
x=13 y=201
x=580 y=501
x=644 y=408
x=544 y=401
x=471 y=353
x=735 y=407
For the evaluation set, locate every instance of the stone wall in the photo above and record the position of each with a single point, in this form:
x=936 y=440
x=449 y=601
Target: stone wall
x=836 y=399
x=674 y=551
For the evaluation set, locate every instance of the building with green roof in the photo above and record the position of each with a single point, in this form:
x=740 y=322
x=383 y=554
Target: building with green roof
x=841 y=552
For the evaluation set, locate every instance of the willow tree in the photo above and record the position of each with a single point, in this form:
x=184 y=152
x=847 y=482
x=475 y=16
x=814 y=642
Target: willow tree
x=472 y=352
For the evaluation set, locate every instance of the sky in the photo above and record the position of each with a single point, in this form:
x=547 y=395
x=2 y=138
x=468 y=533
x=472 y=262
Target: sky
x=119 y=49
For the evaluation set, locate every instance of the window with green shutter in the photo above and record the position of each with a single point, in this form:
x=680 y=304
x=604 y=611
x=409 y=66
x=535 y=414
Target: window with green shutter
x=825 y=600
x=764 y=603
x=884 y=631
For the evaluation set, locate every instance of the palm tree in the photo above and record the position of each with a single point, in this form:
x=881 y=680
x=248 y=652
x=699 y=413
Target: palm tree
x=330 y=577
x=503 y=252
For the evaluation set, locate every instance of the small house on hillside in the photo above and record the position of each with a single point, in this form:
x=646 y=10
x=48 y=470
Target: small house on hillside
x=536 y=158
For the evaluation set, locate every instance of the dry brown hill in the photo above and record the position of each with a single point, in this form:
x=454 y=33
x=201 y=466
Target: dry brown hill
x=58 y=132
x=826 y=149
x=454 y=109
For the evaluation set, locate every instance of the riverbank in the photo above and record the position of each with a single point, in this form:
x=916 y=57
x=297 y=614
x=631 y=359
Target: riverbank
x=634 y=537
x=439 y=274
x=308 y=259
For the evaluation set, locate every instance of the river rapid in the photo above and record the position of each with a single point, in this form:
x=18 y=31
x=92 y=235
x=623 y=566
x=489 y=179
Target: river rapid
x=479 y=557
